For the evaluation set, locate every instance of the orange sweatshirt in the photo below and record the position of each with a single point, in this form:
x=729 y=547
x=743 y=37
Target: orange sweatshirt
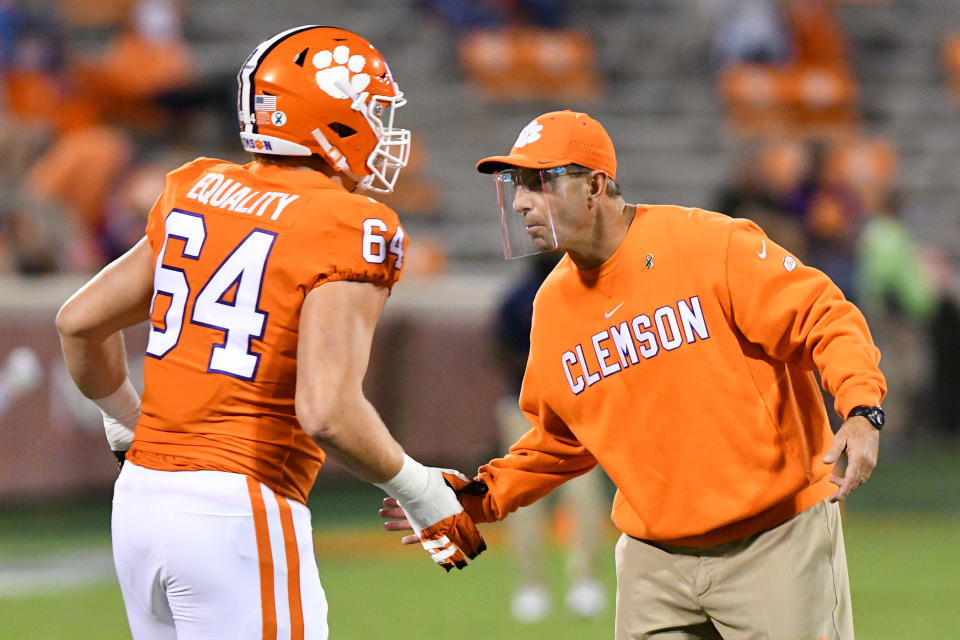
x=684 y=366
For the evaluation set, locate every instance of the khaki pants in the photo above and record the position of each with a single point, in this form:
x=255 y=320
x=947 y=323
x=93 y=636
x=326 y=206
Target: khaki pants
x=787 y=583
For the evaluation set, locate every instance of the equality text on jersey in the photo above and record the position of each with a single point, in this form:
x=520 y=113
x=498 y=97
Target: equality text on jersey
x=214 y=190
x=610 y=351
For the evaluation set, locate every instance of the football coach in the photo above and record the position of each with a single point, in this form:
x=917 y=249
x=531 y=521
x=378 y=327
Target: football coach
x=677 y=348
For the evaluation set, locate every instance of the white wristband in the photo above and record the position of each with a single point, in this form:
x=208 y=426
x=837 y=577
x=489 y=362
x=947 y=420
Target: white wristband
x=121 y=410
x=410 y=481
x=422 y=493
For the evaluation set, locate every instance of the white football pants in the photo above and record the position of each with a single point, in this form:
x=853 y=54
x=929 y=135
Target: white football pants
x=210 y=554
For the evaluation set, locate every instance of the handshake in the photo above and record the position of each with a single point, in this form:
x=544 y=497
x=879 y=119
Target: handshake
x=426 y=501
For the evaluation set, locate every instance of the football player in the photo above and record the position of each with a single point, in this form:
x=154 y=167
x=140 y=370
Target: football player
x=263 y=284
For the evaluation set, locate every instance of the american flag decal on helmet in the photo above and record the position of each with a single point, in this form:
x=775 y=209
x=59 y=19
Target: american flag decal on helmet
x=246 y=96
x=265 y=103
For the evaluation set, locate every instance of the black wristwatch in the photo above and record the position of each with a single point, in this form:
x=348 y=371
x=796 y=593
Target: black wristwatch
x=873 y=414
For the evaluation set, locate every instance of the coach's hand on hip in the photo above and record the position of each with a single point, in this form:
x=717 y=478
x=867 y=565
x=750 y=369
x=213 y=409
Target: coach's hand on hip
x=859 y=440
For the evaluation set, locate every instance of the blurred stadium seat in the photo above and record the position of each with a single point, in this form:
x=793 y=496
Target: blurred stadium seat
x=951 y=60
x=525 y=63
x=804 y=99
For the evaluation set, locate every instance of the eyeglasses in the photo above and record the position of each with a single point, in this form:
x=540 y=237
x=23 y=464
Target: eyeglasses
x=536 y=179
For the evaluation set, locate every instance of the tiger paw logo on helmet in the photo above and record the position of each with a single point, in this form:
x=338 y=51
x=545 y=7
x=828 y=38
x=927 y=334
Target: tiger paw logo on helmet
x=330 y=78
x=530 y=133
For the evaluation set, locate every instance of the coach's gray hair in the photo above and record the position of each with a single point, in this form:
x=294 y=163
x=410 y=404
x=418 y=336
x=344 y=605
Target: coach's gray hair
x=613 y=189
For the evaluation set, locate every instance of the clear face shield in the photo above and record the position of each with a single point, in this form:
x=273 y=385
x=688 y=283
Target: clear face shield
x=530 y=202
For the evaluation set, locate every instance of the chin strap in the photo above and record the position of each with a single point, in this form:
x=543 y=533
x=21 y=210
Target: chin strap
x=333 y=154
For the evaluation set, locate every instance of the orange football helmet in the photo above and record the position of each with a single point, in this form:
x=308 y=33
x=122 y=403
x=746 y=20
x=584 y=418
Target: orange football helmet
x=326 y=91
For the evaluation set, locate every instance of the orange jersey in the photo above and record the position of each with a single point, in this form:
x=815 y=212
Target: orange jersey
x=684 y=366
x=237 y=249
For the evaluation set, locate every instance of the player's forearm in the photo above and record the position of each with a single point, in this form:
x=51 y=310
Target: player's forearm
x=352 y=432
x=90 y=322
x=97 y=366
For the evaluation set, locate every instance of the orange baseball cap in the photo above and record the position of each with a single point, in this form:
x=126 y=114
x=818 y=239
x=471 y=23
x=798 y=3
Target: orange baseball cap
x=557 y=139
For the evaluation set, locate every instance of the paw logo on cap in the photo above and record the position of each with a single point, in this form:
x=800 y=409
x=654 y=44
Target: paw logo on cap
x=530 y=133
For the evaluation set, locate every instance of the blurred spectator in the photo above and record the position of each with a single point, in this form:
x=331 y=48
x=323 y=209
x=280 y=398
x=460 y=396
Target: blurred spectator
x=832 y=217
x=899 y=299
x=810 y=90
x=73 y=172
x=77 y=175
x=461 y=16
x=57 y=162
x=806 y=194
x=747 y=192
x=748 y=31
x=10 y=24
x=816 y=32
x=125 y=213
x=945 y=339
x=868 y=165
x=146 y=60
x=36 y=233
x=39 y=87
x=765 y=183
x=80 y=169
x=581 y=500
x=40 y=97
x=786 y=164
x=465 y=16
x=514 y=50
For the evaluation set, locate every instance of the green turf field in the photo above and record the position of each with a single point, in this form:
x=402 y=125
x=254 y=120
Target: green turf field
x=902 y=534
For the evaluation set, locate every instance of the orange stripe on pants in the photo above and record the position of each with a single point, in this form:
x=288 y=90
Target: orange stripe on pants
x=267 y=605
x=293 y=568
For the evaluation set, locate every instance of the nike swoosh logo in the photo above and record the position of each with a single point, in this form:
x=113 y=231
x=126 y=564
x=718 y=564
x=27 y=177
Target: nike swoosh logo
x=607 y=315
x=763 y=252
